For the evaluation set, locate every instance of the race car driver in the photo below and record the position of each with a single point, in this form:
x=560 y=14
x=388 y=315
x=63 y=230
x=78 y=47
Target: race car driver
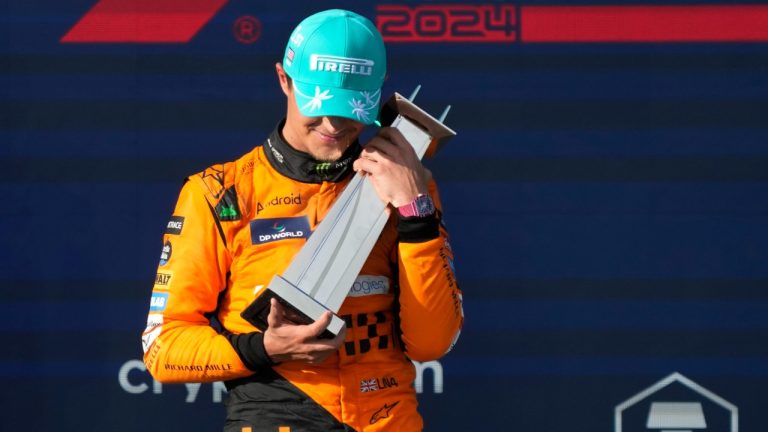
x=237 y=224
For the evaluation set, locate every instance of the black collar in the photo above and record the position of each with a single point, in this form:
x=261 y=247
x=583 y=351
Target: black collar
x=302 y=167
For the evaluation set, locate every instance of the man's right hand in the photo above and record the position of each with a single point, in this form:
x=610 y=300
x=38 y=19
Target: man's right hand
x=284 y=340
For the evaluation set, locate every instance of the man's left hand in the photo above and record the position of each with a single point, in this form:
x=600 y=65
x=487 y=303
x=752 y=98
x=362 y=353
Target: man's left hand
x=391 y=164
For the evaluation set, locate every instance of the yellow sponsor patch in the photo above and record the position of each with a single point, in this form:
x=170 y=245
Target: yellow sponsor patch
x=163 y=280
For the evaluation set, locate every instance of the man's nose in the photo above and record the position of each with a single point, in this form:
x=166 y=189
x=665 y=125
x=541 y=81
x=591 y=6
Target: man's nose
x=335 y=124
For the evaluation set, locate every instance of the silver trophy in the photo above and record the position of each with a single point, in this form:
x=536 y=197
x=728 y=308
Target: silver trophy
x=322 y=273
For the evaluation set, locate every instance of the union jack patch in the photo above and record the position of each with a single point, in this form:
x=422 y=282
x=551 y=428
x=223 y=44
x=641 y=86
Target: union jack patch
x=368 y=385
x=290 y=54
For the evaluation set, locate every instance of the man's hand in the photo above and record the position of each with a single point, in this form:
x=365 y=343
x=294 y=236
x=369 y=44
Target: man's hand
x=284 y=340
x=391 y=164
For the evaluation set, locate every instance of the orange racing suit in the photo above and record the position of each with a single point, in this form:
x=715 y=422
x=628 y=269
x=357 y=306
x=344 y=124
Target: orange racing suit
x=237 y=224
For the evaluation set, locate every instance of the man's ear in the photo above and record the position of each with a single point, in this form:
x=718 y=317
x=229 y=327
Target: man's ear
x=282 y=77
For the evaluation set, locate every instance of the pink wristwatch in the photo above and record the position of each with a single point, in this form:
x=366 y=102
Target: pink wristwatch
x=422 y=206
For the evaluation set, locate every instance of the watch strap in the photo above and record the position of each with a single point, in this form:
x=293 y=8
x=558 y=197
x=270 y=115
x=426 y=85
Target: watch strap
x=421 y=206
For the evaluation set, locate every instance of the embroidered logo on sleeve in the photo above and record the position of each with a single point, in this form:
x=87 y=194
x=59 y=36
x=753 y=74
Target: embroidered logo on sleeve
x=175 y=225
x=158 y=302
x=165 y=254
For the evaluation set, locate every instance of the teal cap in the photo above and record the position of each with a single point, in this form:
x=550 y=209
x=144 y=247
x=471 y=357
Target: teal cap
x=337 y=61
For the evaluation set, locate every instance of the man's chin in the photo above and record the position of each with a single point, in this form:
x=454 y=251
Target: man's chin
x=326 y=153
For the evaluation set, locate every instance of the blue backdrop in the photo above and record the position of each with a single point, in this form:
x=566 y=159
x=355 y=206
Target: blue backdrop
x=607 y=201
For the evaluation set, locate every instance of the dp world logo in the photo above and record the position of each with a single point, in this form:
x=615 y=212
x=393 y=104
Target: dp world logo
x=269 y=230
x=676 y=404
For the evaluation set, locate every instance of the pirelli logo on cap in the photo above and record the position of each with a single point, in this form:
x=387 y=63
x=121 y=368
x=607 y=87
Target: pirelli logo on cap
x=348 y=65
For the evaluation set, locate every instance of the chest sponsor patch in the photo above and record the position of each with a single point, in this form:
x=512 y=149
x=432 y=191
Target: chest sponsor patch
x=269 y=230
x=279 y=200
x=228 y=209
x=369 y=285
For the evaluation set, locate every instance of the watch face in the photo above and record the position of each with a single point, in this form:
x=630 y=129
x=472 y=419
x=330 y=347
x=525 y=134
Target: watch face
x=424 y=205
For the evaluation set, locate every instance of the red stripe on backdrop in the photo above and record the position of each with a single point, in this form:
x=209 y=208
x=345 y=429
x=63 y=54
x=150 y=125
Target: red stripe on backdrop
x=143 y=21
x=743 y=23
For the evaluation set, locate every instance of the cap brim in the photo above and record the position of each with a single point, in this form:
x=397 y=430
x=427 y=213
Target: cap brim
x=318 y=101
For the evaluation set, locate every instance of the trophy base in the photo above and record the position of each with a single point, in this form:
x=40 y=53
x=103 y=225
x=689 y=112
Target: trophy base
x=300 y=307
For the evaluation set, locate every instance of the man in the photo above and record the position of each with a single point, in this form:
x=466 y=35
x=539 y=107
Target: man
x=220 y=250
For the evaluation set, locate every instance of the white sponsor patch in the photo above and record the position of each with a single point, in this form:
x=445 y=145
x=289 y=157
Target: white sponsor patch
x=338 y=64
x=154 y=327
x=369 y=285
